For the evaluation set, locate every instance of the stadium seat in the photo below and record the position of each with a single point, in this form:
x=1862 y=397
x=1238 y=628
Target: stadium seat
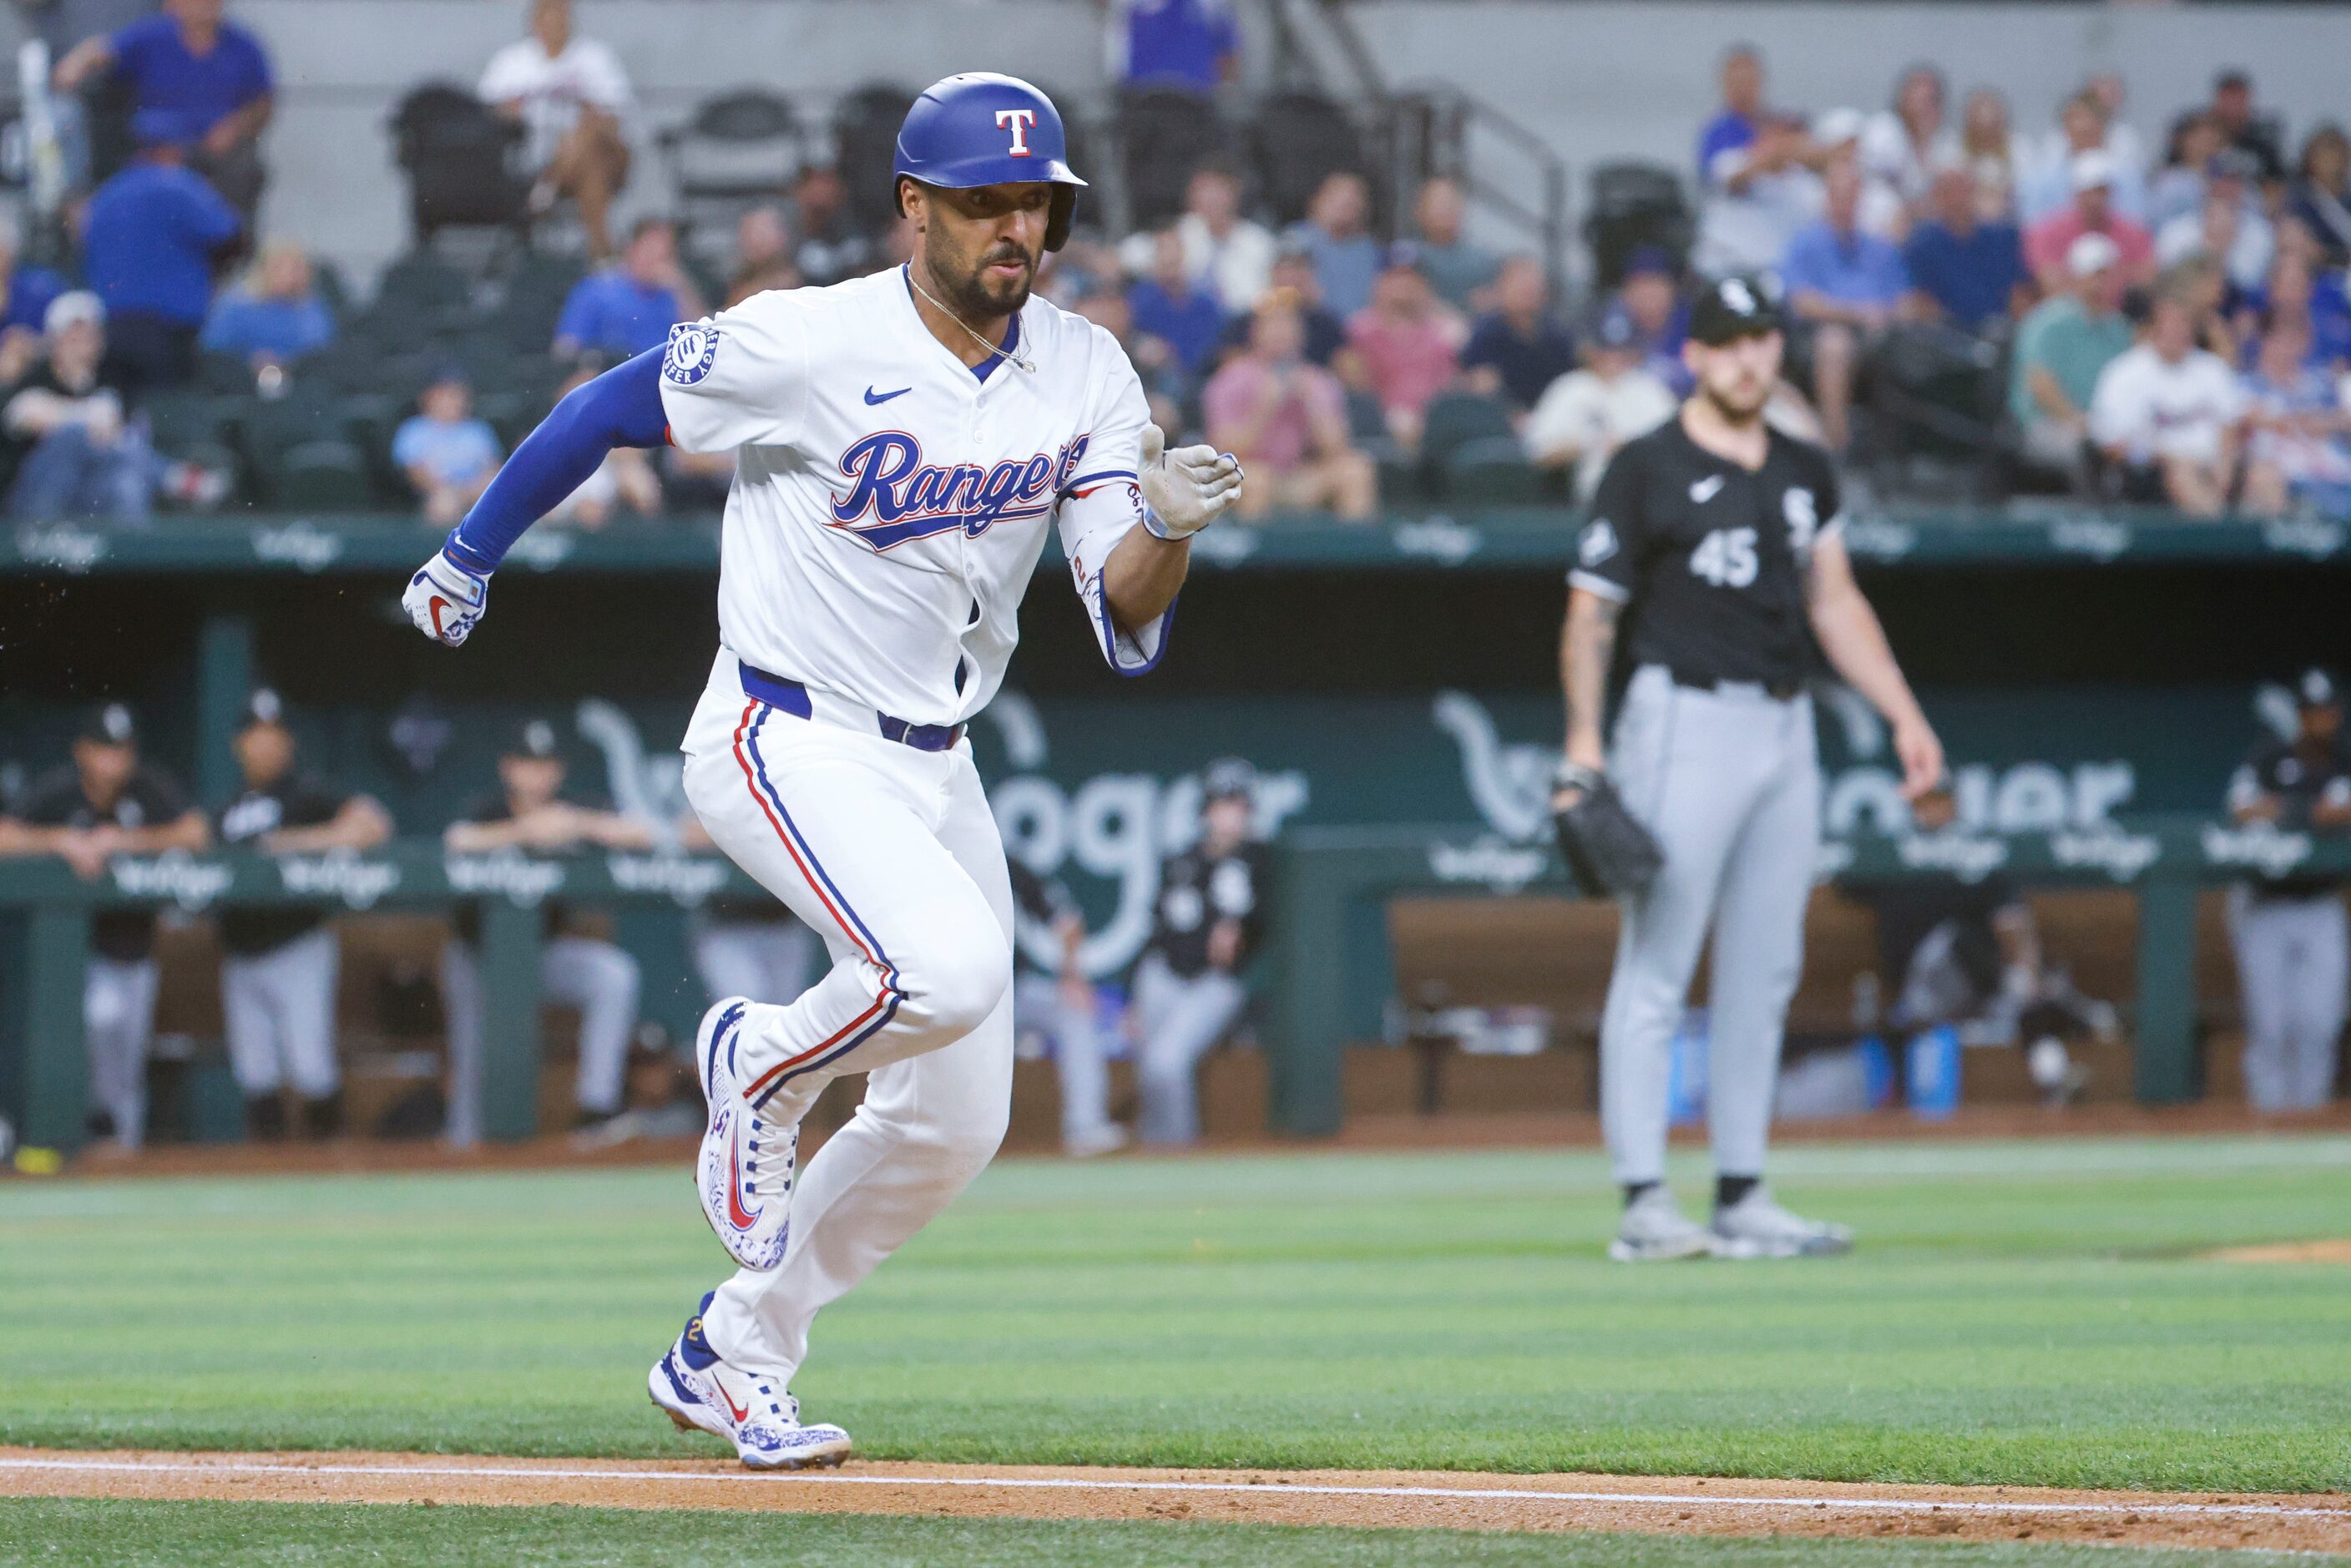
x=865 y=141
x=1296 y=141
x=739 y=149
x=459 y=154
x=421 y=281
x=326 y=474
x=1491 y=471
x=1163 y=134
x=1937 y=400
x=1367 y=430
x=1453 y=421
x=1631 y=205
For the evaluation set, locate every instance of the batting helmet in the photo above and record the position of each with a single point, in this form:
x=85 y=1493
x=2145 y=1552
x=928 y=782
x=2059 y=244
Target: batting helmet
x=982 y=128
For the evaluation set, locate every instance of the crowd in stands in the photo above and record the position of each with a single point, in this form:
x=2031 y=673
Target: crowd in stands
x=2167 y=326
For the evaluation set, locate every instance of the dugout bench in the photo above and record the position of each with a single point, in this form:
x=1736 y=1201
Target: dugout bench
x=1330 y=965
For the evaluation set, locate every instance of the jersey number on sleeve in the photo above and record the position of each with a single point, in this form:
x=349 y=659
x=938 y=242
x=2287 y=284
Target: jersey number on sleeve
x=1725 y=558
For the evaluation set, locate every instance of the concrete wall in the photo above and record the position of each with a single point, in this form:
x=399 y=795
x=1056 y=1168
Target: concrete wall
x=1596 y=80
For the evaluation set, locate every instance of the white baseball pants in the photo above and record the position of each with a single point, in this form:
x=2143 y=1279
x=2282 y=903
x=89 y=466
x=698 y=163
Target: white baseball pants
x=1177 y=1021
x=117 y=1021
x=1729 y=780
x=891 y=855
x=596 y=977
x=2293 y=959
x=755 y=959
x=279 y=1007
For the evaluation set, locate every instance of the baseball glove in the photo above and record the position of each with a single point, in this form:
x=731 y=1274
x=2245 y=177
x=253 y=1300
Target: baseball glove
x=1606 y=851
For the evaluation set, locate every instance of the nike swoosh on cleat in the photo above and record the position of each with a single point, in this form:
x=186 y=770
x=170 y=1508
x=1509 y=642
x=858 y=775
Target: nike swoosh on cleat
x=741 y=1217
x=741 y=1414
x=874 y=397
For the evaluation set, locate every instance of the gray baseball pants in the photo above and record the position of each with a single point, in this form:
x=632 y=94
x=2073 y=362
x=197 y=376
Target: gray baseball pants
x=1079 y=1055
x=2293 y=955
x=118 y=1015
x=594 y=975
x=1729 y=780
x=279 y=1007
x=1179 y=1020
x=765 y=960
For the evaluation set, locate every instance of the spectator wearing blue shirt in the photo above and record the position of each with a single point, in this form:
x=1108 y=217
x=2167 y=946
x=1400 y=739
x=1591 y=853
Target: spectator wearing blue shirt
x=1517 y=349
x=1964 y=271
x=448 y=454
x=1169 y=306
x=1734 y=126
x=1334 y=235
x=190 y=60
x=277 y=316
x=150 y=241
x=1848 y=285
x=1651 y=295
x=1189 y=44
x=620 y=312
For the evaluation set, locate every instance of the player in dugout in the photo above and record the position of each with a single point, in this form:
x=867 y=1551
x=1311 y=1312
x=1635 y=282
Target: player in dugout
x=279 y=966
x=109 y=802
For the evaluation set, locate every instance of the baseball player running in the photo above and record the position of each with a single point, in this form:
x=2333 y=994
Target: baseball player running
x=1714 y=548
x=903 y=443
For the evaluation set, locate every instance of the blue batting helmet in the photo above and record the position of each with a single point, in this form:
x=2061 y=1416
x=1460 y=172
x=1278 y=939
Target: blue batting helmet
x=982 y=128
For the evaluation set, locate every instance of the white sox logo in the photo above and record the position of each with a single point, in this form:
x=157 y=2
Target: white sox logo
x=1018 y=121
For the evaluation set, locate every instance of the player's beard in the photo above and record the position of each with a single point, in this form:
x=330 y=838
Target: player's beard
x=966 y=289
x=1738 y=404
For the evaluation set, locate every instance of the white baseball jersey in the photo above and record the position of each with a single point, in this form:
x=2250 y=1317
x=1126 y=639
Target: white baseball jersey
x=889 y=505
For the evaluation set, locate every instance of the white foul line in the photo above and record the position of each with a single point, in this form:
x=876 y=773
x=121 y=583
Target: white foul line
x=1045 y=1483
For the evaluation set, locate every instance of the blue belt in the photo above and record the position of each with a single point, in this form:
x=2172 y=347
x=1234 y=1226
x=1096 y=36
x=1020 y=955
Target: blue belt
x=786 y=695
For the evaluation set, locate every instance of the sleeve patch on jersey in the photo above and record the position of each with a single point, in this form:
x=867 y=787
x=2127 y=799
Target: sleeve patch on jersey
x=693 y=349
x=1599 y=542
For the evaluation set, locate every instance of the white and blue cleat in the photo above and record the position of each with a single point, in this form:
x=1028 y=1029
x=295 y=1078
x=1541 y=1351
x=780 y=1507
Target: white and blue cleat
x=745 y=1175
x=702 y=1392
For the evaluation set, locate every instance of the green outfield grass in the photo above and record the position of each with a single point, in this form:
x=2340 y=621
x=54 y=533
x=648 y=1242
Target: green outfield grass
x=2028 y=1312
x=260 y=1535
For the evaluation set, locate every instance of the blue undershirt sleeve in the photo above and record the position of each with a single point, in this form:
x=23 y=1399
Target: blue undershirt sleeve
x=622 y=407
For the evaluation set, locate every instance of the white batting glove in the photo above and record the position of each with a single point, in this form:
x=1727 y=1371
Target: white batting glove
x=447 y=601
x=1184 y=491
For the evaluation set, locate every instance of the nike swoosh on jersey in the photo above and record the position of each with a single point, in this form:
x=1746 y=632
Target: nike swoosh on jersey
x=872 y=397
x=1702 y=490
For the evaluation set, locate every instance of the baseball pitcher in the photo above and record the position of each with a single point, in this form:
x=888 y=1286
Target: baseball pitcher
x=903 y=443
x=1714 y=547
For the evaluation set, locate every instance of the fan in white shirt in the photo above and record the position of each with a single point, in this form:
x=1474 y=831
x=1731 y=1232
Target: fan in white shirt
x=2174 y=409
x=1586 y=414
x=569 y=93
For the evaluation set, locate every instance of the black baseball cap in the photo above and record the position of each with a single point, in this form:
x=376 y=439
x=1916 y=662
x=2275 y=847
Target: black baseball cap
x=109 y=724
x=1228 y=778
x=531 y=737
x=2317 y=687
x=1739 y=306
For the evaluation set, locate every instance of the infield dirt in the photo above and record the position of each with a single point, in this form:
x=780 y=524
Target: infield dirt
x=1380 y=1498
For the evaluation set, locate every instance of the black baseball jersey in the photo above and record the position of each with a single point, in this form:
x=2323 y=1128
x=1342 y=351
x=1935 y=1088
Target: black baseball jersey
x=293 y=800
x=2300 y=779
x=494 y=807
x=1711 y=558
x=1196 y=893
x=149 y=799
x=1048 y=903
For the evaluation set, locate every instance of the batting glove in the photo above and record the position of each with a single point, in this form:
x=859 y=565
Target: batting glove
x=447 y=601
x=1184 y=490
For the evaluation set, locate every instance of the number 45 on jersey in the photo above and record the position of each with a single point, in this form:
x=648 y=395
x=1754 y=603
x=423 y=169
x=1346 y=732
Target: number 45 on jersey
x=1725 y=558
